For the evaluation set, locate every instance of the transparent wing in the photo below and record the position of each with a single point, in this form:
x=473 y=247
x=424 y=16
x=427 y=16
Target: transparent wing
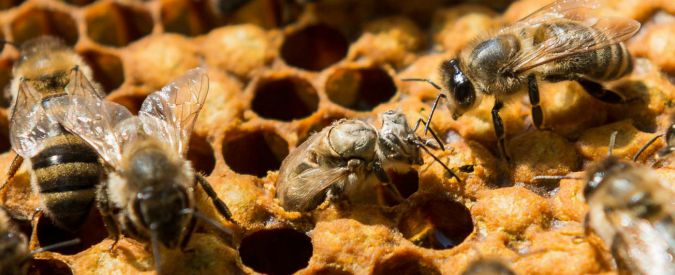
x=79 y=85
x=29 y=124
x=105 y=125
x=645 y=246
x=170 y=114
x=608 y=30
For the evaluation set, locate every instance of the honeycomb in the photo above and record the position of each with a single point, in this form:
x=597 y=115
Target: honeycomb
x=278 y=75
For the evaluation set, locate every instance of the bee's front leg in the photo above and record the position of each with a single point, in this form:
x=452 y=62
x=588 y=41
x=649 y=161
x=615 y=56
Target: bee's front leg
x=533 y=91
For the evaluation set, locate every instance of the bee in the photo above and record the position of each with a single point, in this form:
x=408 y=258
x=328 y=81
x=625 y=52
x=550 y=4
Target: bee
x=64 y=169
x=488 y=267
x=565 y=40
x=148 y=193
x=14 y=253
x=664 y=152
x=349 y=158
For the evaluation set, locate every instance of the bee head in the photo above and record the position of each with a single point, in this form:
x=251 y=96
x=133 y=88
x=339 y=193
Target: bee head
x=598 y=174
x=396 y=140
x=462 y=92
x=159 y=209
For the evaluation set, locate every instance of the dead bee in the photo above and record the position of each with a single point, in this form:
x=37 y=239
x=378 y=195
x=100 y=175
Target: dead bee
x=149 y=189
x=349 y=158
x=14 y=253
x=64 y=169
x=566 y=40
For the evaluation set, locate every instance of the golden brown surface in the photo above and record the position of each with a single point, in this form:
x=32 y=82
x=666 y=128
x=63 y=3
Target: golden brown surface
x=271 y=87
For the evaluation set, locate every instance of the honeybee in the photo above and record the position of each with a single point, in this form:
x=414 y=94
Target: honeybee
x=565 y=40
x=149 y=189
x=631 y=209
x=488 y=267
x=664 y=152
x=14 y=253
x=64 y=169
x=348 y=158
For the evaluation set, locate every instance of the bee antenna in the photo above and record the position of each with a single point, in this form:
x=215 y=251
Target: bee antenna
x=50 y=247
x=208 y=220
x=639 y=152
x=154 y=240
x=422 y=80
x=612 y=143
x=424 y=147
x=544 y=177
x=438 y=140
x=2 y=41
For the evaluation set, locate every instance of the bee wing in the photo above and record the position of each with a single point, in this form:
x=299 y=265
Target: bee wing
x=105 y=125
x=29 y=124
x=608 y=30
x=81 y=86
x=170 y=114
x=646 y=246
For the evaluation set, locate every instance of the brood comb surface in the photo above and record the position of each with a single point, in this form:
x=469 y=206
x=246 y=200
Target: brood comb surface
x=271 y=87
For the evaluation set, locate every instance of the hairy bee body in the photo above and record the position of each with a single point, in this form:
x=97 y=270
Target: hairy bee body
x=65 y=170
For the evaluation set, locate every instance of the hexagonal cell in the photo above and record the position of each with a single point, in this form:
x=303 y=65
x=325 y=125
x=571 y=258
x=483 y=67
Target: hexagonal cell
x=187 y=17
x=40 y=21
x=299 y=98
x=360 y=88
x=114 y=24
x=5 y=145
x=436 y=223
x=107 y=69
x=276 y=251
x=314 y=47
x=51 y=266
x=255 y=153
x=5 y=79
x=201 y=155
x=323 y=122
x=405 y=263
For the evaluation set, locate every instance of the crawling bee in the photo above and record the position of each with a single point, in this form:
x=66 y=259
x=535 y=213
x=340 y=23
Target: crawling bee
x=631 y=209
x=348 y=158
x=64 y=169
x=149 y=189
x=566 y=40
x=14 y=254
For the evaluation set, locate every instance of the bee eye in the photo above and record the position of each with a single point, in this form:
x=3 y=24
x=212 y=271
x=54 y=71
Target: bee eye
x=461 y=88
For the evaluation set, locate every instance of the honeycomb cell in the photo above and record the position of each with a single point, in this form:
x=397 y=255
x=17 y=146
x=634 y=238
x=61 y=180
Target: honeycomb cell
x=201 y=155
x=5 y=79
x=51 y=266
x=187 y=17
x=5 y=145
x=360 y=88
x=8 y=4
x=239 y=49
x=255 y=153
x=107 y=68
x=91 y=232
x=40 y=21
x=405 y=263
x=299 y=98
x=276 y=251
x=314 y=47
x=436 y=223
x=325 y=121
x=114 y=24
x=407 y=183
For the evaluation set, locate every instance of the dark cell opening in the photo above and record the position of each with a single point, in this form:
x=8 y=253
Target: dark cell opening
x=90 y=233
x=360 y=89
x=117 y=25
x=314 y=47
x=406 y=264
x=51 y=266
x=255 y=153
x=107 y=69
x=37 y=22
x=188 y=17
x=436 y=223
x=276 y=251
x=407 y=183
x=201 y=155
x=285 y=99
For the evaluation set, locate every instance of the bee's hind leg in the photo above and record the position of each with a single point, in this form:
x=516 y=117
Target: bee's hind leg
x=601 y=93
x=221 y=207
x=189 y=230
x=499 y=129
x=13 y=168
x=533 y=91
x=103 y=205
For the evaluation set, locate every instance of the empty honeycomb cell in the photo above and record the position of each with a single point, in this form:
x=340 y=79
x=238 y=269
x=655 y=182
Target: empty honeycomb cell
x=324 y=121
x=314 y=47
x=187 y=17
x=5 y=145
x=201 y=155
x=5 y=78
x=299 y=98
x=91 y=232
x=107 y=69
x=255 y=153
x=51 y=266
x=360 y=88
x=407 y=183
x=114 y=24
x=405 y=263
x=132 y=102
x=276 y=251
x=436 y=223
x=38 y=21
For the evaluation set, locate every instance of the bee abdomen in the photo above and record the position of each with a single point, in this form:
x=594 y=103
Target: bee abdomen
x=611 y=62
x=66 y=173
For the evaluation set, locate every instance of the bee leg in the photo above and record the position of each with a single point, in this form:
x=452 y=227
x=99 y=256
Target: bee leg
x=533 y=90
x=596 y=90
x=221 y=207
x=433 y=133
x=499 y=129
x=103 y=205
x=189 y=230
x=13 y=168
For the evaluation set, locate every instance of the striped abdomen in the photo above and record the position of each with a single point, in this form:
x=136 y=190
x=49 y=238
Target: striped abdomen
x=607 y=63
x=65 y=173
